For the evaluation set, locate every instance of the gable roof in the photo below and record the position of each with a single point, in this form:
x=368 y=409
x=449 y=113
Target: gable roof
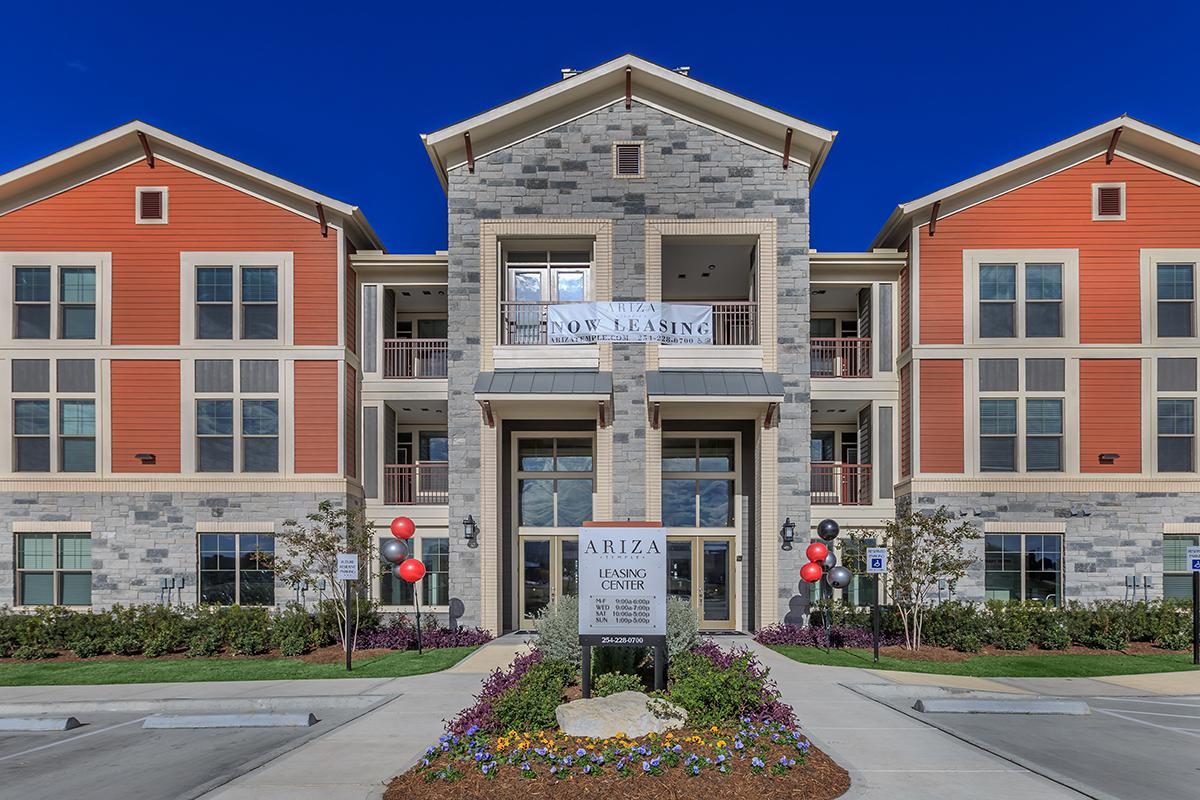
x=1138 y=141
x=121 y=146
x=604 y=85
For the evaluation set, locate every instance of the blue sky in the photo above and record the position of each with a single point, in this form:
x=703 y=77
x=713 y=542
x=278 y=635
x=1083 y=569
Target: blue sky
x=333 y=96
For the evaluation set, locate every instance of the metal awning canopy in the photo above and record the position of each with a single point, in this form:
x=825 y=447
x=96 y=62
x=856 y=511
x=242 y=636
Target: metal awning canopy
x=561 y=385
x=749 y=387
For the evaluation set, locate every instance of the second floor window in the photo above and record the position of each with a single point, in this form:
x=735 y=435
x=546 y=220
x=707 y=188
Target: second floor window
x=50 y=307
x=1176 y=435
x=1176 y=300
x=237 y=415
x=1021 y=300
x=536 y=278
x=698 y=482
x=54 y=418
x=554 y=481
x=237 y=302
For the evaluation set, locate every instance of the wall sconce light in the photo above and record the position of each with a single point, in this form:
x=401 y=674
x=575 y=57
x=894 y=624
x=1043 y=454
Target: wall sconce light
x=470 y=531
x=1109 y=458
x=146 y=458
x=788 y=533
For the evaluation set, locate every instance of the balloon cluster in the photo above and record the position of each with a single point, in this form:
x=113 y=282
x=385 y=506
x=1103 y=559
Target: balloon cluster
x=395 y=551
x=822 y=561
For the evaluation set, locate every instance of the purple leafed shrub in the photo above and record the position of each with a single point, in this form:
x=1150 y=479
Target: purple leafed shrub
x=771 y=709
x=401 y=635
x=814 y=636
x=479 y=716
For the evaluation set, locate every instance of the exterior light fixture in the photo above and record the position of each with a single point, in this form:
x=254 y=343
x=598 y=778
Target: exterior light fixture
x=788 y=533
x=146 y=458
x=1109 y=458
x=470 y=531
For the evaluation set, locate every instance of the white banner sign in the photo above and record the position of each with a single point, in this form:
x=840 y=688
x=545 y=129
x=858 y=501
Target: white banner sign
x=637 y=321
x=622 y=581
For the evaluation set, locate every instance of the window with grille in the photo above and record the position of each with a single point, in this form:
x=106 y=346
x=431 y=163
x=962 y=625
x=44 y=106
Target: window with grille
x=627 y=160
x=54 y=569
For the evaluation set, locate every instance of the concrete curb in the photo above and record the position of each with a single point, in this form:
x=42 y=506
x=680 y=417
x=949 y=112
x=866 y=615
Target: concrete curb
x=231 y=705
x=190 y=721
x=972 y=706
x=38 y=724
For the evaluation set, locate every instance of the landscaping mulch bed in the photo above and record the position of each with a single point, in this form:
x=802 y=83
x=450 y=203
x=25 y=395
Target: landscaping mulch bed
x=946 y=655
x=334 y=654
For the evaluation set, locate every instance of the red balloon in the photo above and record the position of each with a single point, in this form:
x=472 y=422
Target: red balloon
x=403 y=528
x=413 y=570
x=816 y=552
x=811 y=572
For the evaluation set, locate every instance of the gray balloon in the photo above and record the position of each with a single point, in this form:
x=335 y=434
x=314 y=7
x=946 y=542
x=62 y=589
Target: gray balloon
x=828 y=529
x=393 y=551
x=830 y=561
x=838 y=577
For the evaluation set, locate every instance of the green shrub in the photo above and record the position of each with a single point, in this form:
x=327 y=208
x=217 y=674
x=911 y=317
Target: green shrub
x=683 y=627
x=326 y=628
x=1175 y=640
x=713 y=696
x=125 y=644
x=966 y=642
x=558 y=636
x=529 y=704
x=1053 y=637
x=292 y=630
x=614 y=682
x=623 y=660
x=953 y=624
x=32 y=652
x=161 y=643
x=87 y=647
x=558 y=631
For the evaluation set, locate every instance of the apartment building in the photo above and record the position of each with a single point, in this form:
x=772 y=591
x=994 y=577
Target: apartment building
x=200 y=352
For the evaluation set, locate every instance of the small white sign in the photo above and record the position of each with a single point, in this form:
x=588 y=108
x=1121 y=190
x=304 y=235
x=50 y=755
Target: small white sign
x=1193 y=555
x=347 y=566
x=622 y=581
x=876 y=560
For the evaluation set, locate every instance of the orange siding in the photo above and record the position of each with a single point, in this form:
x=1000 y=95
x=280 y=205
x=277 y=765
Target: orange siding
x=351 y=310
x=204 y=215
x=351 y=422
x=905 y=310
x=906 y=420
x=145 y=415
x=1110 y=414
x=316 y=409
x=941 y=415
x=1056 y=212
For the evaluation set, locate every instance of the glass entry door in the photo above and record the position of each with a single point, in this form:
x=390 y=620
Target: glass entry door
x=700 y=570
x=549 y=569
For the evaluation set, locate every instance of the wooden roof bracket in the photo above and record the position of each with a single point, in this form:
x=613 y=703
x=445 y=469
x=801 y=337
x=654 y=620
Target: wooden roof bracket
x=787 y=148
x=146 y=149
x=602 y=412
x=470 y=152
x=655 y=415
x=772 y=417
x=324 y=222
x=933 y=216
x=628 y=88
x=1112 y=144
x=485 y=408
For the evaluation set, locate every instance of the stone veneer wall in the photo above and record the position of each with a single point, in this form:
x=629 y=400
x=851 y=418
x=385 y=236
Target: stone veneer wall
x=139 y=537
x=1121 y=535
x=691 y=173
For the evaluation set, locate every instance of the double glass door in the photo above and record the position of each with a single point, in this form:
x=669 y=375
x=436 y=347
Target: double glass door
x=700 y=570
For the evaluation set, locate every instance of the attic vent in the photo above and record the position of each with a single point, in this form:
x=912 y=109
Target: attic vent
x=151 y=205
x=627 y=160
x=1108 y=201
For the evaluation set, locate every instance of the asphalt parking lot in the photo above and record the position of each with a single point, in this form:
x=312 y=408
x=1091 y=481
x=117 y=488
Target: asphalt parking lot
x=111 y=757
x=1129 y=748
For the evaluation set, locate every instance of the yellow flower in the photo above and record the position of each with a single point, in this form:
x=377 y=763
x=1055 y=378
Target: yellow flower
x=720 y=742
x=713 y=728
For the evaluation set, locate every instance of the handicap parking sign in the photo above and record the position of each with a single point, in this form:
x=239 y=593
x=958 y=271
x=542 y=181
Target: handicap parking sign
x=1193 y=555
x=876 y=560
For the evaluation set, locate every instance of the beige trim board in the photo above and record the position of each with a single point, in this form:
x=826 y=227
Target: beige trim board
x=233 y=526
x=1018 y=526
x=38 y=526
x=1182 y=527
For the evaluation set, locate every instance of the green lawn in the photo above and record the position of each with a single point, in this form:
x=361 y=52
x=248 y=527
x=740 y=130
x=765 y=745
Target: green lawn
x=1049 y=665
x=388 y=665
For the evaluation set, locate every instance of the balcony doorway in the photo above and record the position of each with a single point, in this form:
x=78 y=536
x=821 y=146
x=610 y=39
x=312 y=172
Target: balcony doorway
x=721 y=271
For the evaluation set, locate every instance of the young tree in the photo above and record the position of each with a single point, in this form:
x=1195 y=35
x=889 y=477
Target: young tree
x=923 y=549
x=310 y=552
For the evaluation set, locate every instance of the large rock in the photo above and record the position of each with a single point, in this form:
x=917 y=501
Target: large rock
x=631 y=713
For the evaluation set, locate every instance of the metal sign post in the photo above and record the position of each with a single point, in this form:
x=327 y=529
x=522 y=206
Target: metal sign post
x=347 y=573
x=623 y=592
x=876 y=565
x=1193 y=556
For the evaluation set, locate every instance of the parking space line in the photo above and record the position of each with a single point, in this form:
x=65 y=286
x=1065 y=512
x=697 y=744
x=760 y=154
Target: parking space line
x=1151 y=702
x=1151 y=724
x=70 y=739
x=1161 y=714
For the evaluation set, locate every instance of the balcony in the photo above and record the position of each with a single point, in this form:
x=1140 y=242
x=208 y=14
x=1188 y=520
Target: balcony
x=414 y=358
x=735 y=323
x=839 y=484
x=422 y=484
x=848 y=357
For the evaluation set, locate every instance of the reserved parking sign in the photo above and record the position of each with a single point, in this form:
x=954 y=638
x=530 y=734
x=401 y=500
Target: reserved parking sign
x=1193 y=555
x=877 y=560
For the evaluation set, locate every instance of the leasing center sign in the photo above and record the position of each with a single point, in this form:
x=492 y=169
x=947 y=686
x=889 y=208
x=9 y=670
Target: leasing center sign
x=622 y=584
x=629 y=321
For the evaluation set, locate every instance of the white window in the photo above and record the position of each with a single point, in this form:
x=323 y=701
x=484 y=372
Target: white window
x=537 y=274
x=1108 y=201
x=54 y=569
x=434 y=553
x=1020 y=295
x=151 y=205
x=54 y=415
x=1021 y=415
x=231 y=297
x=699 y=481
x=237 y=569
x=54 y=296
x=237 y=417
x=1169 y=284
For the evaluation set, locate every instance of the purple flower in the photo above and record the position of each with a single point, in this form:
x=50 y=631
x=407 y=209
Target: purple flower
x=581 y=752
x=645 y=766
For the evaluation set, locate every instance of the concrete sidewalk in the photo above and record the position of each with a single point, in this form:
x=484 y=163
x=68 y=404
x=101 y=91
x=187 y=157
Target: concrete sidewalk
x=888 y=754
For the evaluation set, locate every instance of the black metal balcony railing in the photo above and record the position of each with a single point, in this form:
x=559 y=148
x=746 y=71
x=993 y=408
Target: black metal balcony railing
x=524 y=322
x=414 y=358
x=840 y=358
x=423 y=484
x=838 y=484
